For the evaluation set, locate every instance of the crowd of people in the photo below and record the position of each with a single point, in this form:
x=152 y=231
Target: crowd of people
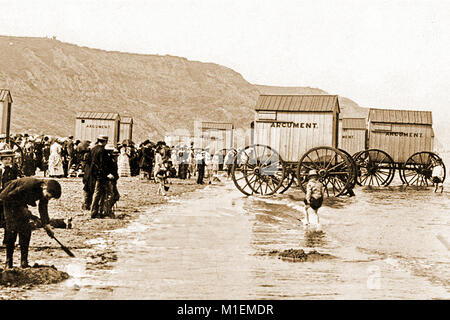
x=100 y=164
x=23 y=158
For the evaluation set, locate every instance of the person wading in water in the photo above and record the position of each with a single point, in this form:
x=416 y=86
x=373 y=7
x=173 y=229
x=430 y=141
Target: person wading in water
x=313 y=200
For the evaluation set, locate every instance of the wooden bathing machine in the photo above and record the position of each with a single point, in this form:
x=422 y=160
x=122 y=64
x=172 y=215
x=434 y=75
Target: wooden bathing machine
x=292 y=135
x=353 y=134
x=400 y=133
x=89 y=125
x=399 y=140
x=126 y=129
x=293 y=124
x=215 y=135
x=5 y=112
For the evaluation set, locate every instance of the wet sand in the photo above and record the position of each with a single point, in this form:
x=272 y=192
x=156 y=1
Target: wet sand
x=136 y=196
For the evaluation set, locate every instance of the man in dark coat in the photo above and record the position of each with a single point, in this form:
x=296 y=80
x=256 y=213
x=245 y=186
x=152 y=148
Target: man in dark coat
x=8 y=169
x=112 y=193
x=8 y=172
x=88 y=182
x=98 y=173
x=201 y=167
x=16 y=197
x=146 y=160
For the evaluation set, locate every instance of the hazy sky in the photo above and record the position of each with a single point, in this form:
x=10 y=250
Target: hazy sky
x=378 y=53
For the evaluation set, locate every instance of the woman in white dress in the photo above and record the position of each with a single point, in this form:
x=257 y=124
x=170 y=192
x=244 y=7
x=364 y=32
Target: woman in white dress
x=123 y=162
x=55 y=160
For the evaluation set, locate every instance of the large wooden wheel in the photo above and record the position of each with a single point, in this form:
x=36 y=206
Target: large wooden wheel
x=287 y=181
x=258 y=169
x=354 y=167
x=358 y=171
x=374 y=168
x=418 y=168
x=336 y=171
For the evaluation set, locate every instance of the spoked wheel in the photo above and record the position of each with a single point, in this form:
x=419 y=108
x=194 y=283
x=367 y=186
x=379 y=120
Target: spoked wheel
x=354 y=167
x=335 y=170
x=258 y=169
x=358 y=171
x=287 y=181
x=375 y=167
x=418 y=168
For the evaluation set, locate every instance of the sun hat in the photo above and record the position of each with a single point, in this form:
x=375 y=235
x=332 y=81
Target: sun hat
x=102 y=137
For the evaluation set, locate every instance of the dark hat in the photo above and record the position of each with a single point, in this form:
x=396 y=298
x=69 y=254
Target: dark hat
x=54 y=188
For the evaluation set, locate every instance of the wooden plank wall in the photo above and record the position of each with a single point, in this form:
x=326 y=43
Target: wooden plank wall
x=352 y=140
x=216 y=139
x=313 y=130
x=402 y=141
x=5 y=116
x=126 y=131
x=92 y=128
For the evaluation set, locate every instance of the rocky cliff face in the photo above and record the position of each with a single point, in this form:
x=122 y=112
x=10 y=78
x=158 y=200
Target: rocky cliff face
x=51 y=81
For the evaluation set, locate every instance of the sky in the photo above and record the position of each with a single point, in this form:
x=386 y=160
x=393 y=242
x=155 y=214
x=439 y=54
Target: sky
x=385 y=54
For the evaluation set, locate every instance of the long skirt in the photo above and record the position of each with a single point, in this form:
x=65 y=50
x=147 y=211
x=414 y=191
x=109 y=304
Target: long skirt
x=123 y=164
x=55 y=165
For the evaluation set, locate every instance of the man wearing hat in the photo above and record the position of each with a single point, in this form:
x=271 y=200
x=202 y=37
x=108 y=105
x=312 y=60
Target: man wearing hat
x=98 y=173
x=16 y=197
x=8 y=169
x=146 y=157
x=8 y=172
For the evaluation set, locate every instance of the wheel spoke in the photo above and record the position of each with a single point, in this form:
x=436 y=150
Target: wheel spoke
x=377 y=179
x=318 y=158
x=383 y=181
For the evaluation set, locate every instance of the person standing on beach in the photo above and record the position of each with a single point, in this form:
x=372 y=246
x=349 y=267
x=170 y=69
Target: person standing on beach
x=98 y=173
x=229 y=160
x=437 y=176
x=146 y=160
x=112 y=194
x=161 y=177
x=8 y=172
x=123 y=161
x=55 y=161
x=314 y=198
x=16 y=197
x=200 y=159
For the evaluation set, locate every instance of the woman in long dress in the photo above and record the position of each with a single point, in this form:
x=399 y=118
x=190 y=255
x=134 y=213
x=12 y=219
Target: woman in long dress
x=55 y=160
x=123 y=162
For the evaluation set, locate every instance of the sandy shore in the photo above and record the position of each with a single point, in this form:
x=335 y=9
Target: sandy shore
x=135 y=197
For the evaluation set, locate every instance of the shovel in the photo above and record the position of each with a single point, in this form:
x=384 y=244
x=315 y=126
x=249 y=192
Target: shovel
x=65 y=249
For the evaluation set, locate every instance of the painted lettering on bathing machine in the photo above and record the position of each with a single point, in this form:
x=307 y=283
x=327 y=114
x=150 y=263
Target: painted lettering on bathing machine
x=289 y=124
x=405 y=134
x=101 y=126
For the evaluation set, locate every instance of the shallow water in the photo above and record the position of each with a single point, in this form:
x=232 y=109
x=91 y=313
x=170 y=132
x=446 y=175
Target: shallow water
x=388 y=243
